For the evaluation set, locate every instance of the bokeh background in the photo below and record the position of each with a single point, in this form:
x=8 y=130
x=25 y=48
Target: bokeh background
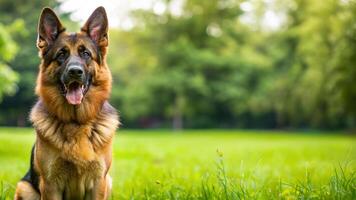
x=203 y=64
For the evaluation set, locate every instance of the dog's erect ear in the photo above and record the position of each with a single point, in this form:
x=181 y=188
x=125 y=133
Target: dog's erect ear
x=97 y=27
x=49 y=27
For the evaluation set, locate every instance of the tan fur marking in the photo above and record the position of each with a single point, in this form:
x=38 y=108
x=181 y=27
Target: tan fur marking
x=24 y=191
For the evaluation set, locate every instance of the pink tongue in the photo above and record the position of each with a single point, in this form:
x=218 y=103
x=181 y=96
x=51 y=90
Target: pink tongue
x=74 y=96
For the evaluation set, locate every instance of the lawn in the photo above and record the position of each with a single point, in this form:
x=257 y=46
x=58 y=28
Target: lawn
x=213 y=164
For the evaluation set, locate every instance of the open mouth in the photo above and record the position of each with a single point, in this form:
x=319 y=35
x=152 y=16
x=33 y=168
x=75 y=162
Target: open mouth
x=74 y=92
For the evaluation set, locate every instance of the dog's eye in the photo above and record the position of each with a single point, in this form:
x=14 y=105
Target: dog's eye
x=86 y=54
x=61 y=56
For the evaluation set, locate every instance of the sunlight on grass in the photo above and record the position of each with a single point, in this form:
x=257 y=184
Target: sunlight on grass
x=215 y=164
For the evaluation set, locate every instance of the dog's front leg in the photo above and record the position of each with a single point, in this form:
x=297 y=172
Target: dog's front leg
x=50 y=191
x=102 y=188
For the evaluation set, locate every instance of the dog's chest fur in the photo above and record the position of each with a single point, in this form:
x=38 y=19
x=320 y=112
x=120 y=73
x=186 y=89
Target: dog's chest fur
x=75 y=181
x=75 y=153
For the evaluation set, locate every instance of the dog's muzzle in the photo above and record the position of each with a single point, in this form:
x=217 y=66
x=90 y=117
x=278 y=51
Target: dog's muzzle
x=75 y=83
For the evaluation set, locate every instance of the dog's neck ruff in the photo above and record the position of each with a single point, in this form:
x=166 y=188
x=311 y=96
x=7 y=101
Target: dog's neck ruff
x=72 y=137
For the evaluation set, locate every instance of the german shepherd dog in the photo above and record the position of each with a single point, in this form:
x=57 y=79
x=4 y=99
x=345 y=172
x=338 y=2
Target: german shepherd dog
x=74 y=123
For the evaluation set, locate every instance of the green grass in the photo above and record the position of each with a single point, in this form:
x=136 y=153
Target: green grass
x=214 y=164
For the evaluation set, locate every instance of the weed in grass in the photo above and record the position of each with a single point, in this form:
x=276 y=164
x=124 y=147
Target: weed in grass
x=5 y=191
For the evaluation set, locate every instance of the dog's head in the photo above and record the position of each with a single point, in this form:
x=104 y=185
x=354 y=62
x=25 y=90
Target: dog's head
x=73 y=72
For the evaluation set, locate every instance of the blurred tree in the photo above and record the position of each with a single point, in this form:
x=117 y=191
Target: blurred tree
x=8 y=49
x=214 y=64
x=201 y=66
x=317 y=76
x=206 y=68
x=14 y=109
x=345 y=53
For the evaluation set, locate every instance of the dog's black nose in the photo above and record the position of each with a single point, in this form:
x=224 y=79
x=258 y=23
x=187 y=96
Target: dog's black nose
x=75 y=71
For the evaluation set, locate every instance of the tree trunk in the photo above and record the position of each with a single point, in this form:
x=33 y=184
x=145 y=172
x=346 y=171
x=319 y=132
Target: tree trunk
x=177 y=114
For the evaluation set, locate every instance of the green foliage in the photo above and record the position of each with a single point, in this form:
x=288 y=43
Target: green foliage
x=195 y=62
x=206 y=68
x=318 y=39
x=8 y=49
x=14 y=109
x=214 y=164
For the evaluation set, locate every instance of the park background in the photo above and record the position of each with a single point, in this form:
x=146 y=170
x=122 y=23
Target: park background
x=218 y=99
x=203 y=64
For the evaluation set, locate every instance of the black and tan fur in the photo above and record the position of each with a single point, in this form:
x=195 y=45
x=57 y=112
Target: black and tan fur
x=73 y=150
